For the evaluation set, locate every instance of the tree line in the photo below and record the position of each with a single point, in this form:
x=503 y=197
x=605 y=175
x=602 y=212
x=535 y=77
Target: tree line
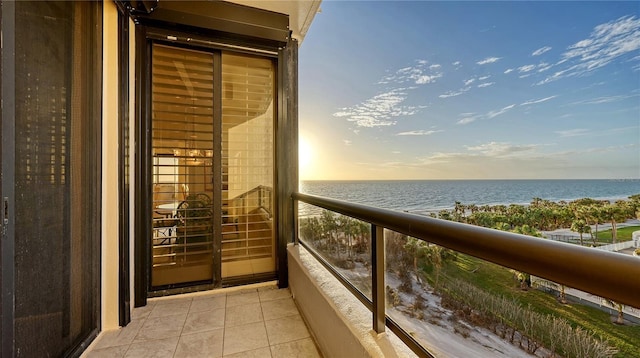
x=545 y=215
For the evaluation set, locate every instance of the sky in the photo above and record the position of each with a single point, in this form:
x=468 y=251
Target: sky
x=470 y=90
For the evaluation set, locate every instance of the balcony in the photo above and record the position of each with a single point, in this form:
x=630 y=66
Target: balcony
x=444 y=313
x=256 y=320
x=366 y=313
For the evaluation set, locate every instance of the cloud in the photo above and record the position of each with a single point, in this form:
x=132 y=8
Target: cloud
x=488 y=60
x=544 y=66
x=474 y=79
x=555 y=76
x=497 y=149
x=526 y=68
x=457 y=63
x=420 y=73
x=455 y=93
x=608 y=99
x=535 y=101
x=421 y=80
x=419 y=132
x=493 y=114
x=486 y=84
x=540 y=51
x=578 y=132
x=467 y=118
x=379 y=110
x=508 y=70
x=573 y=132
x=485 y=157
x=503 y=160
x=606 y=43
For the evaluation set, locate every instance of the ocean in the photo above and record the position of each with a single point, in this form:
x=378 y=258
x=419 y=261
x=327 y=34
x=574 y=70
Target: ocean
x=424 y=196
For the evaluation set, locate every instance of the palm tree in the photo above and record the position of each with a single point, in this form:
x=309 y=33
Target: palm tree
x=563 y=296
x=580 y=226
x=345 y=224
x=634 y=202
x=362 y=232
x=484 y=219
x=329 y=227
x=310 y=229
x=618 y=307
x=459 y=212
x=445 y=215
x=418 y=250
x=436 y=255
x=614 y=213
x=595 y=213
x=527 y=230
x=500 y=209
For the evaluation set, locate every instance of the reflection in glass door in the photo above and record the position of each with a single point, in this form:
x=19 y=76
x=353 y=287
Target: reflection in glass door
x=247 y=165
x=182 y=150
x=186 y=130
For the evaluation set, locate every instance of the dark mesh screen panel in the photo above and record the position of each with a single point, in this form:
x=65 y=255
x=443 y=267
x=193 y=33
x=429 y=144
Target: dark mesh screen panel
x=56 y=177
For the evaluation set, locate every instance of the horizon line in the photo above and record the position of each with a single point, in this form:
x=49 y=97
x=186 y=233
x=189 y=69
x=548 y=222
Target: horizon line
x=476 y=179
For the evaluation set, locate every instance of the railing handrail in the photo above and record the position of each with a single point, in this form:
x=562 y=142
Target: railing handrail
x=605 y=274
x=258 y=189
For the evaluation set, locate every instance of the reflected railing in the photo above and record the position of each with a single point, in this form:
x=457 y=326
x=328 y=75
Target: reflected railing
x=375 y=253
x=260 y=197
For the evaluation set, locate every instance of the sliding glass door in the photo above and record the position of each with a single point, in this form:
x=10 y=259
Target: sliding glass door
x=212 y=120
x=51 y=94
x=247 y=165
x=182 y=110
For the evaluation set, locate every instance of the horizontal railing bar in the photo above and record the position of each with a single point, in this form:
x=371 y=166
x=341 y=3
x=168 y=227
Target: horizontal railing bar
x=346 y=283
x=605 y=274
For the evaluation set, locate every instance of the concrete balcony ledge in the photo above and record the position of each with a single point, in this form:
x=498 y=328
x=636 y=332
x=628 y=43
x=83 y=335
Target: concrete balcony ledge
x=339 y=323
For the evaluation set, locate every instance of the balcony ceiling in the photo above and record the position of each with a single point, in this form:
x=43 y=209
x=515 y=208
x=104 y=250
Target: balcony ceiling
x=300 y=13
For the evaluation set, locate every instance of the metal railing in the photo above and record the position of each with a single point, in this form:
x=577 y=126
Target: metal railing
x=260 y=196
x=602 y=273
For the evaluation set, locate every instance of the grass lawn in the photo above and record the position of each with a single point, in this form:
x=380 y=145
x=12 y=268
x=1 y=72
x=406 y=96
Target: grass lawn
x=624 y=234
x=500 y=281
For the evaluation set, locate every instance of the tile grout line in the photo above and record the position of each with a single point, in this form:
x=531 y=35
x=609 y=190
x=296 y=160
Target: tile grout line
x=144 y=320
x=224 y=323
x=265 y=325
x=134 y=337
x=182 y=329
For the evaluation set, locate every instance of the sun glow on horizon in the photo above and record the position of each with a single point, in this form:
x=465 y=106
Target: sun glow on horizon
x=305 y=157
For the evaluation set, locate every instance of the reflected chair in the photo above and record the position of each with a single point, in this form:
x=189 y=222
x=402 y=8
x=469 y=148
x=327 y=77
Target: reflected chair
x=194 y=219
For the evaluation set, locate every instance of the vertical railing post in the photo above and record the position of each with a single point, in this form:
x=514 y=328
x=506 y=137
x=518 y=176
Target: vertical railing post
x=296 y=222
x=378 y=287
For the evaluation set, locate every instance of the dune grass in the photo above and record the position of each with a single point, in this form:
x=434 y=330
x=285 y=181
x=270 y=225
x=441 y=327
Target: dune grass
x=498 y=280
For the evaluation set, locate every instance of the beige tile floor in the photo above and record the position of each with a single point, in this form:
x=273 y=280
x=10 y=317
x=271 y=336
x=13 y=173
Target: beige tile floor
x=257 y=322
